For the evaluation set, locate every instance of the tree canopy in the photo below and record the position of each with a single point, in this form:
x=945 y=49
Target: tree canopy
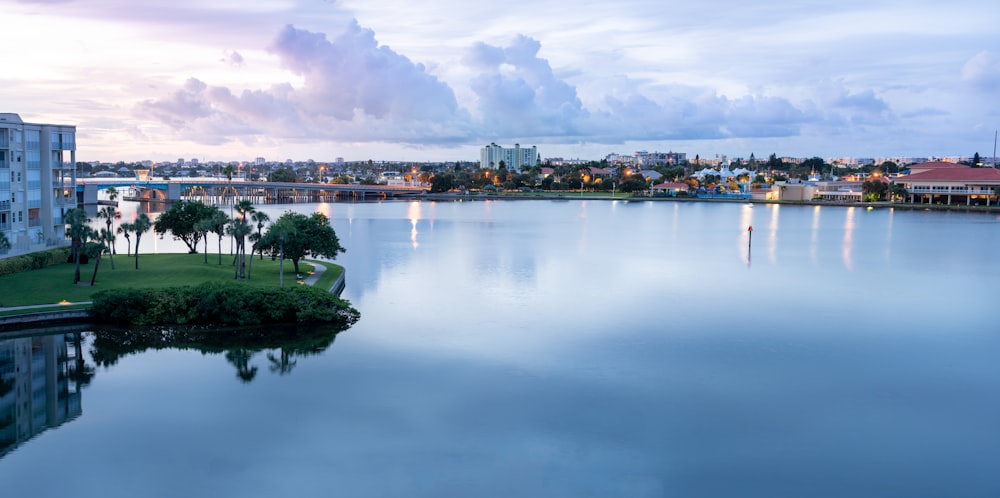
x=295 y=235
x=180 y=221
x=282 y=175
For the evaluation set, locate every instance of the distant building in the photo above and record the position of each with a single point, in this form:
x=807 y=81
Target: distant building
x=648 y=160
x=513 y=159
x=37 y=183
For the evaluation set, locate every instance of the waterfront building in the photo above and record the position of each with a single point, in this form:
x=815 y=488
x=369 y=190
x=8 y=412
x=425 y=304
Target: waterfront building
x=37 y=183
x=951 y=183
x=513 y=159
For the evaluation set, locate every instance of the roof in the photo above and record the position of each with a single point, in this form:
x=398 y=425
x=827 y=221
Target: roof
x=935 y=165
x=954 y=175
x=671 y=186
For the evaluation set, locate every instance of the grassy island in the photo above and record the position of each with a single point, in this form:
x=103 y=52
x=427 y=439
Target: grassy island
x=183 y=288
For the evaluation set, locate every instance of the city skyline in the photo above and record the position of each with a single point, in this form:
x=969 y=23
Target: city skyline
x=390 y=80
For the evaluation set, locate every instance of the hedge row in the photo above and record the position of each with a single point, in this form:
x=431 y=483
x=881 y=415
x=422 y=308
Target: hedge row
x=34 y=261
x=221 y=303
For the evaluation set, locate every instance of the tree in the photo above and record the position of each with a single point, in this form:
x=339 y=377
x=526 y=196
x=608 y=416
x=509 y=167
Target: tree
x=773 y=163
x=873 y=190
x=260 y=218
x=204 y=226
x=219 y=222
x=107 y=236
x=94 y=250
x=180 y=220
x=285 y=175
x=296 y=235
x=889 y=167
x=897 y=191
x=442 y=182
x=4 y=242
x=239 y=229
x=142 y=225
x=109 y=214
x=126 y=229
x=977 y=162
x=78 y=233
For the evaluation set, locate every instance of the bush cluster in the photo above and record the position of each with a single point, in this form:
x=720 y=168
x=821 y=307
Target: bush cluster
x=33 y=261
x=221 y=303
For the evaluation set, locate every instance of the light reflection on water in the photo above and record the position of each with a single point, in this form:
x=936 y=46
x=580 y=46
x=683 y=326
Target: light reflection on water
x=585 y=348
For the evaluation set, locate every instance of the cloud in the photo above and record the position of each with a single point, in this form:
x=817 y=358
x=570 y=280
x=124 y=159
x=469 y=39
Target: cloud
x=982 y=71
x=234 y=58
x=352 y=89
x=517 y=93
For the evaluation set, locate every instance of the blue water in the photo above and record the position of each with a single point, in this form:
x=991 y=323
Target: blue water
x=594 y=348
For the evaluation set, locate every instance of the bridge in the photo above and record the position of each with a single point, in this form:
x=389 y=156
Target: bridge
x=223 y=191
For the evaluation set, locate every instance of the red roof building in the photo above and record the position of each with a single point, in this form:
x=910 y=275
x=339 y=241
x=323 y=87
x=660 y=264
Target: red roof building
x=950 y=183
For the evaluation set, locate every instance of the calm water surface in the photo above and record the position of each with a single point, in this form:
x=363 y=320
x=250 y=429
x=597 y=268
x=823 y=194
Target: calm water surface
x=546 y=348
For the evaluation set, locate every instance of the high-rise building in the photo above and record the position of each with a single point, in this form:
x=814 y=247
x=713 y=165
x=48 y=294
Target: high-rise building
x=37 y=183
x=513 y=159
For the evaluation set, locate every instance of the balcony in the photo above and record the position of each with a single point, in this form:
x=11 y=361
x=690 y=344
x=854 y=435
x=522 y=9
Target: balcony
x=952 y=190
x=34 y=222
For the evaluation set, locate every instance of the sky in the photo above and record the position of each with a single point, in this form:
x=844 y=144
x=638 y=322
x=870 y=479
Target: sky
x=435 y=81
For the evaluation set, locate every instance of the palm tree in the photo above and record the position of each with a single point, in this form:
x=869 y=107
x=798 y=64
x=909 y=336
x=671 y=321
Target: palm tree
x=126 y=229
x=109 y=214
x=219 y=222
x=95 y=249
x=4 y=242
x=228 y=171
x=239 y=229
x=78 y=232
x=260 y=218
x=106 y=236
x=142 y=225
x=204 y=226
x=112 y=194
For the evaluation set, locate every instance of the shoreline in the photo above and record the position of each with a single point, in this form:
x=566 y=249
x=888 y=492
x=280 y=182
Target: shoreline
x=455 y=197
x=10 y=324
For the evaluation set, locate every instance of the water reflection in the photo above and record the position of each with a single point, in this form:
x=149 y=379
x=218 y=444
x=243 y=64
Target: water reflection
x=42 y=376
x=772 y=239
x=284 y=344
x=847 y=245
x=413 y=214
x=814 y=235
x=40 y=382
x=746 y=229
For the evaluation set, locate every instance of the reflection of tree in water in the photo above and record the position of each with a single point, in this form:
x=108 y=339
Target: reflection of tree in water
x=240 y=358
x=285 y=343
x=79 y=371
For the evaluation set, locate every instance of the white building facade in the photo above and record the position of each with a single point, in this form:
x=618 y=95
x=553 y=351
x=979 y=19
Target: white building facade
x=37 y=183
x=513 y=159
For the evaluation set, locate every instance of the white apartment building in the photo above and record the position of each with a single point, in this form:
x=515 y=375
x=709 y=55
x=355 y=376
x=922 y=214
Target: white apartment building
x=513 y=159
x=37 y=183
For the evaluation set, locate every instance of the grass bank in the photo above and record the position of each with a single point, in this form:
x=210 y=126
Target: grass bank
x=52 y=285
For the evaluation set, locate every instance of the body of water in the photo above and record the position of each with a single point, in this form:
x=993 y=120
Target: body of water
x=557 y=349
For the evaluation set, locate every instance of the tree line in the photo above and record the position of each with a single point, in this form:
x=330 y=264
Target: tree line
x=292 y=236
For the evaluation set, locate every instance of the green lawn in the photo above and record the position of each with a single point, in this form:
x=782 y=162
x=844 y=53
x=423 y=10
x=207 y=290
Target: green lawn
x=55 y=283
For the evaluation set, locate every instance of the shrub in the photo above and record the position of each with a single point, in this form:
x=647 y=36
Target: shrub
x=33 y=261
x=221 y=303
